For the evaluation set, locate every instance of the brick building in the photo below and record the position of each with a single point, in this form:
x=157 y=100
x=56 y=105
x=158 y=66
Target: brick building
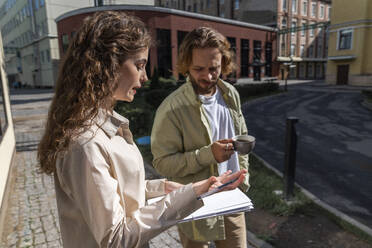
x=306 y=48
x=254 y=45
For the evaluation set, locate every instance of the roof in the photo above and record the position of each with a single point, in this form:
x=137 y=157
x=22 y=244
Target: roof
x=163 y=10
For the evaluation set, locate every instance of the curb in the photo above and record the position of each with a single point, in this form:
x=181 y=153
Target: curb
x=319 y=202
x=257 y=242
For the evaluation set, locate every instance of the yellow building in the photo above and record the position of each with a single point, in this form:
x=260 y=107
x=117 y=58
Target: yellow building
x=350 y=43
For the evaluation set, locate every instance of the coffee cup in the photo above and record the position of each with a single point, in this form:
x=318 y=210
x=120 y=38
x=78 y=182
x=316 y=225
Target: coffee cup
x=243 y=144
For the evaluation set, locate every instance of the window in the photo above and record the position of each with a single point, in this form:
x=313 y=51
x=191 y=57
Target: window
x=284 y=4
x=303 y=31
x=312 y=30
x=164 y=50
x=311 y=51
x=284 y=23
x=244 y=56
x=293 y=49
x=294 y=25
x=36 y=4
x=302 y=50
x=42 y=56
x=313 y=9
x=208 y=4
x=236 y=6
x=195 y=7
x=294 y=6
x=329 y=13
x=48 y=55
x=345 y=39
x=321 y=14
x=65 y=42
x=304 y=8
x=42 y=3
x=310 y=72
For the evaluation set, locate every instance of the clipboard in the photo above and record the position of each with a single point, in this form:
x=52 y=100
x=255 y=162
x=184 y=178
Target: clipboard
x=221 y=203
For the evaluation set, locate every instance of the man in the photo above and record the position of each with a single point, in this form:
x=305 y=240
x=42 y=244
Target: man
x=193 y=127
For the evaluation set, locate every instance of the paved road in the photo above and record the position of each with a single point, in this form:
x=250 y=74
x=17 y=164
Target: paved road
x=334 y=157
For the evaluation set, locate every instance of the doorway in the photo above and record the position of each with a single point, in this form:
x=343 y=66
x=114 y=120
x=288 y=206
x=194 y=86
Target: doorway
x=342 y=74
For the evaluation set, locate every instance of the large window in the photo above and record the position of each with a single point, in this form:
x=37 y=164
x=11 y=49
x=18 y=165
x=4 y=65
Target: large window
x=268 y=58
x=164 y=51
x=244 y=57
x=345 y=39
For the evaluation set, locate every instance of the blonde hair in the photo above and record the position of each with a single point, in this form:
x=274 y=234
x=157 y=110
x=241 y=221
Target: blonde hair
x=205 y=37
x=88 y=78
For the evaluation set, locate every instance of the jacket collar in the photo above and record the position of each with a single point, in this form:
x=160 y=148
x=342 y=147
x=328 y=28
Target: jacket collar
x=114 y=124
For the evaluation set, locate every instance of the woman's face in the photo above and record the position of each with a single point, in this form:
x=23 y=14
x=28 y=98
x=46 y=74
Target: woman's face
x=132 y=76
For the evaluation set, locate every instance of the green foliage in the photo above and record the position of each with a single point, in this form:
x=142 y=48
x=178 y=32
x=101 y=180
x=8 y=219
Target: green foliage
x=154 y=83
x=264 y=182
x=367 y=95
x=140 y=117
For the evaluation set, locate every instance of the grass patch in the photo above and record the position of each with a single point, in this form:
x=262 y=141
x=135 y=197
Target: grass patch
x=264 y=183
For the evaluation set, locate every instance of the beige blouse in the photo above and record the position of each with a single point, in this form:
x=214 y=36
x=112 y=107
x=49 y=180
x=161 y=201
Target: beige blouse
x=101 y=190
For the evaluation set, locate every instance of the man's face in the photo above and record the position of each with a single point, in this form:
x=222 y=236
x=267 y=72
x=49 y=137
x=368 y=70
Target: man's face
x=205 y=69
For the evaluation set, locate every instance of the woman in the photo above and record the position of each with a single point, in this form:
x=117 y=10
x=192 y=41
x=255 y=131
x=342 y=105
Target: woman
x=98 y=170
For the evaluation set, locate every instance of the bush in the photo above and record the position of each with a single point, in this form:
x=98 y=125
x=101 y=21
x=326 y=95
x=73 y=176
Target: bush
x=156 y=97
x=367 y=93
x=248 y=90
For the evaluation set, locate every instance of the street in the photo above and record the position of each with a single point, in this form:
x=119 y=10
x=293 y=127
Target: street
x=334 y=158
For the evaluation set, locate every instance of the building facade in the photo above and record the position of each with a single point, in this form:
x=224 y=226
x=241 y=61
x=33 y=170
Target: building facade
x=254 y=45
x=30 y=37
x=7 y=138
x=350 y=39
x=302 y=40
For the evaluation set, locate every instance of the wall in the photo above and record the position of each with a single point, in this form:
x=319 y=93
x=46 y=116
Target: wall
x=7 y=141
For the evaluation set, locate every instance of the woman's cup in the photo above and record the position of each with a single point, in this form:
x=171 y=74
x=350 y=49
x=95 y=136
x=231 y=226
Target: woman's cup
x=243 y=144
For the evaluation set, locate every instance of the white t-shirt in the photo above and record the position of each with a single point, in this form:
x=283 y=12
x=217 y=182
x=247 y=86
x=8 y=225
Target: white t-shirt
x=222 y=126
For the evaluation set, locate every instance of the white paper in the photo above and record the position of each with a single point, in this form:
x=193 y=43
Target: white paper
x=221 y=203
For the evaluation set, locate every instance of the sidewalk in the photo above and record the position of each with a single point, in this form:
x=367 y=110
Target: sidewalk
x=31 y=216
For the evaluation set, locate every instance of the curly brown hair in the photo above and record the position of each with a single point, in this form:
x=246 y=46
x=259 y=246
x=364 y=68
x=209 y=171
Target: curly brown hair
x=88 y=78
x=205 y=37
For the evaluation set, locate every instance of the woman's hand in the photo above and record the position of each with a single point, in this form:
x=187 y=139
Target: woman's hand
x=170 y=186
x=208 y=184
x=222 y=149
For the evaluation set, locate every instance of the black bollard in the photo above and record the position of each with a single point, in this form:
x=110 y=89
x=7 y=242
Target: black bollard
x=290 y=157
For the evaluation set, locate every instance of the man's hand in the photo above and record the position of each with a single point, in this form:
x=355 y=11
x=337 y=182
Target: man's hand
x=208 y=184
x=222 y=149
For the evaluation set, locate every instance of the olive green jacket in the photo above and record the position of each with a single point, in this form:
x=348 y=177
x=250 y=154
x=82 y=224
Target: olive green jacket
x=181 y=143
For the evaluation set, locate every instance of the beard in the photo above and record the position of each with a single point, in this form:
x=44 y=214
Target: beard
x=203 y=87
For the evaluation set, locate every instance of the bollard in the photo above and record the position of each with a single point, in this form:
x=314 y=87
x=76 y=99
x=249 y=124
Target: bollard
x=290 y=157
